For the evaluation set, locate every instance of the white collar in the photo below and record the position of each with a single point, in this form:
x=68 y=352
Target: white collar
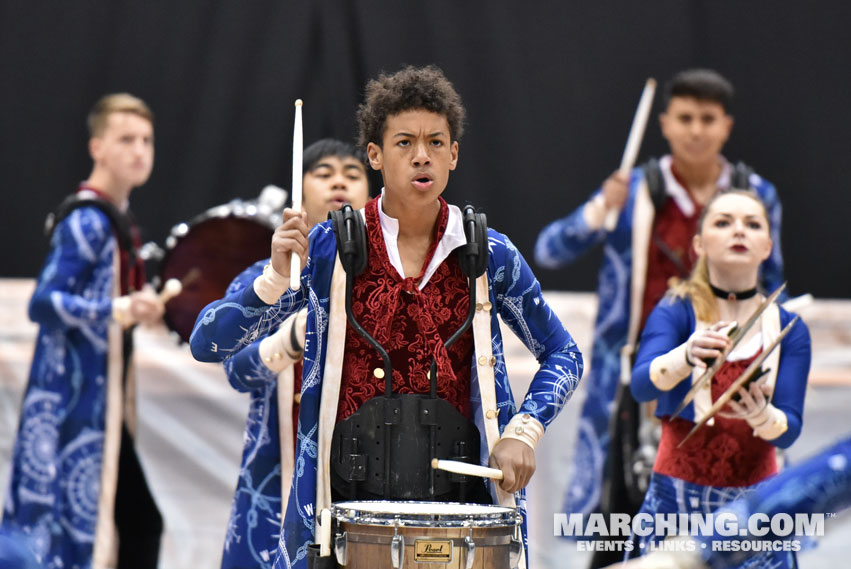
x=453 y=237
x=679 y=194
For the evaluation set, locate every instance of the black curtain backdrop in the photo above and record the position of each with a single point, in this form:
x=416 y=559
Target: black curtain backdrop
x=550 y=90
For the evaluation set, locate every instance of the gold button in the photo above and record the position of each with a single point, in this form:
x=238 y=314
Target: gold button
x=519 y=430
x=493 y=361
x=491 y=414
x=487 y=305
x=526 y=417
x=478 y=307
x=297 y=398
x=663 y=370
x=378 y=372
x=483 y=360
x=277 y=356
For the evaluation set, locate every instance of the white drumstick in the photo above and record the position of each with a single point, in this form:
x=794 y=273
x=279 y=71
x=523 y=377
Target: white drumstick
x=325 y=532
x=466 y=468
x=298 y=149
x=633 y=142
x=171 y=288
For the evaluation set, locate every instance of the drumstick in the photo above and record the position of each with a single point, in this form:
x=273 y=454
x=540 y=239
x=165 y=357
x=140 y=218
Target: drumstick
x=171 y=288
x=325 y=532
x=466 y=468
x=633 y=142
x=298 y=148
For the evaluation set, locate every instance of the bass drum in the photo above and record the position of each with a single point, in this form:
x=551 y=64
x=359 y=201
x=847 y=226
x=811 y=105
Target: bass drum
x=208 y=252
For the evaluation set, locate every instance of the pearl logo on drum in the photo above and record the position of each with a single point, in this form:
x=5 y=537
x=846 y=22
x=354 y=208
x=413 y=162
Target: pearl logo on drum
x=433 y=551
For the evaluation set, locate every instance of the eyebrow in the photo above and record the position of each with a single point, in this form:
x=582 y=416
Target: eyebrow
x=432 y=135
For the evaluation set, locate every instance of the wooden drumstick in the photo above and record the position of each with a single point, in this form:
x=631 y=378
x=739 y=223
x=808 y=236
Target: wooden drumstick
x=171 y=288
x=298 y=149
x=633 y=142
x=466 y=468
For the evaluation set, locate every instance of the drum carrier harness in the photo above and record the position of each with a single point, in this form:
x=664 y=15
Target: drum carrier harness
x=384 y=449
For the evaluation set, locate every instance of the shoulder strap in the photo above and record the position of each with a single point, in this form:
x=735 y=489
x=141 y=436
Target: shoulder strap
x=119 y=221
x=351 y=239
x=655 y=182
x=740 y=179
x=473 y=257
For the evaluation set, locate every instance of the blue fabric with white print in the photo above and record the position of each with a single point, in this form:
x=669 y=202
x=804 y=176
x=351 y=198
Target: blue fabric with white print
x=241 y=318
x=561 y=243
x=52 y=498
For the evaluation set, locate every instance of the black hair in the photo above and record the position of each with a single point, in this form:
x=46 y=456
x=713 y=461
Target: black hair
x=701 y=84
x=330 y=147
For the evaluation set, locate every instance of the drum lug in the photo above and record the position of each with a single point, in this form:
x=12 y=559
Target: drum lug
x=397 y=551
x=340 y=543
x=469 y=551
x=515 y=550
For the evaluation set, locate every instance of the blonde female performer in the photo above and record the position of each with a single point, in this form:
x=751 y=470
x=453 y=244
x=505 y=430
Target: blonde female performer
x=736 y=450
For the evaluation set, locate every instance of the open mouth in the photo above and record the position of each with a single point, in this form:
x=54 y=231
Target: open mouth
x=739 y=249
x=423 y=182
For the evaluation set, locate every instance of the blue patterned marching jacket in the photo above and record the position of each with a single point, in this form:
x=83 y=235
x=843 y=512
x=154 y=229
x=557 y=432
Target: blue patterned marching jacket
x=65 y=458
x=240 y=319
x=620 y=293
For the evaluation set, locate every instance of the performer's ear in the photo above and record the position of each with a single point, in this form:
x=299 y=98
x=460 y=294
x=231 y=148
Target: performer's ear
x=453 y=153
x=94 y=148
x=373 y=152
x=697 y=243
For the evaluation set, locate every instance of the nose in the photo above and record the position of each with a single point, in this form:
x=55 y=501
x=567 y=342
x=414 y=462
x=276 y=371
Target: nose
x=339 y=182
x=421 y=157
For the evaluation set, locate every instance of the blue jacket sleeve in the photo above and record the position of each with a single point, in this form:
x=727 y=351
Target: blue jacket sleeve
x=231 y=323
x=75 y=286
x=565 y=240
x=524 y=310
x=670 y=324
x=791 y=386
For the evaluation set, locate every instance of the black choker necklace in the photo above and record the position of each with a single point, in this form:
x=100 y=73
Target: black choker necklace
x=729 y=295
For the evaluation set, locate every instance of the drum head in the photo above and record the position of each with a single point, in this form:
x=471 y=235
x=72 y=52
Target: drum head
x=206 y=256
x=444 y=514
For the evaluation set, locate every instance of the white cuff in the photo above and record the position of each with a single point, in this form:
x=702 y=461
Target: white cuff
x=270 y=285
x=770 y=423
x=667 y=370
x=274 y=349
x=524 y=427
x=594 y=212
x=121 y=311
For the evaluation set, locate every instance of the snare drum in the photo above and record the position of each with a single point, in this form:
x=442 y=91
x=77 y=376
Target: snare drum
x=425 y=535
x=208 y=252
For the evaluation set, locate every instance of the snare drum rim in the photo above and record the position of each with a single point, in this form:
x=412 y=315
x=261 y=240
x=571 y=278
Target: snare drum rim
x=493 y=516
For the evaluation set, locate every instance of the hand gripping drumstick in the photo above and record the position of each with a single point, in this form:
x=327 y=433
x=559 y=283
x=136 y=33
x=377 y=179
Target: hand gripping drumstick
x=298 y=149
x=466 y=468
x=633 y=142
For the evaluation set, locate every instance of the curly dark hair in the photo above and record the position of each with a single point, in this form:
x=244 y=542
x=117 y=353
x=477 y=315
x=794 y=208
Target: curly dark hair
x=412 y=88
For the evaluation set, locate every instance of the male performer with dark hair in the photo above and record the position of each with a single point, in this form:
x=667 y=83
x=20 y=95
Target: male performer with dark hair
x=412 y=295
x=76 y=480
x=659 y=203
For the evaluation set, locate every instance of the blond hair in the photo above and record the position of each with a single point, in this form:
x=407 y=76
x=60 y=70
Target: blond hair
x=696 y=287
x=115 y=103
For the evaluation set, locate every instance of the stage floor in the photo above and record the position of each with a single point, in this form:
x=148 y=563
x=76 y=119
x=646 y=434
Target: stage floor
x=191 y=427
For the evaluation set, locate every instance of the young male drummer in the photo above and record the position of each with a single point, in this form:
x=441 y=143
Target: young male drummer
x=76 y=481
x=659 y=206
x=411 y=294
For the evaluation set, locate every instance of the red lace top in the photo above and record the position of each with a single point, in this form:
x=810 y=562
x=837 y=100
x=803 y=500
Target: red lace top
x=410 y=323
x=672 y=235
x=725 y=454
